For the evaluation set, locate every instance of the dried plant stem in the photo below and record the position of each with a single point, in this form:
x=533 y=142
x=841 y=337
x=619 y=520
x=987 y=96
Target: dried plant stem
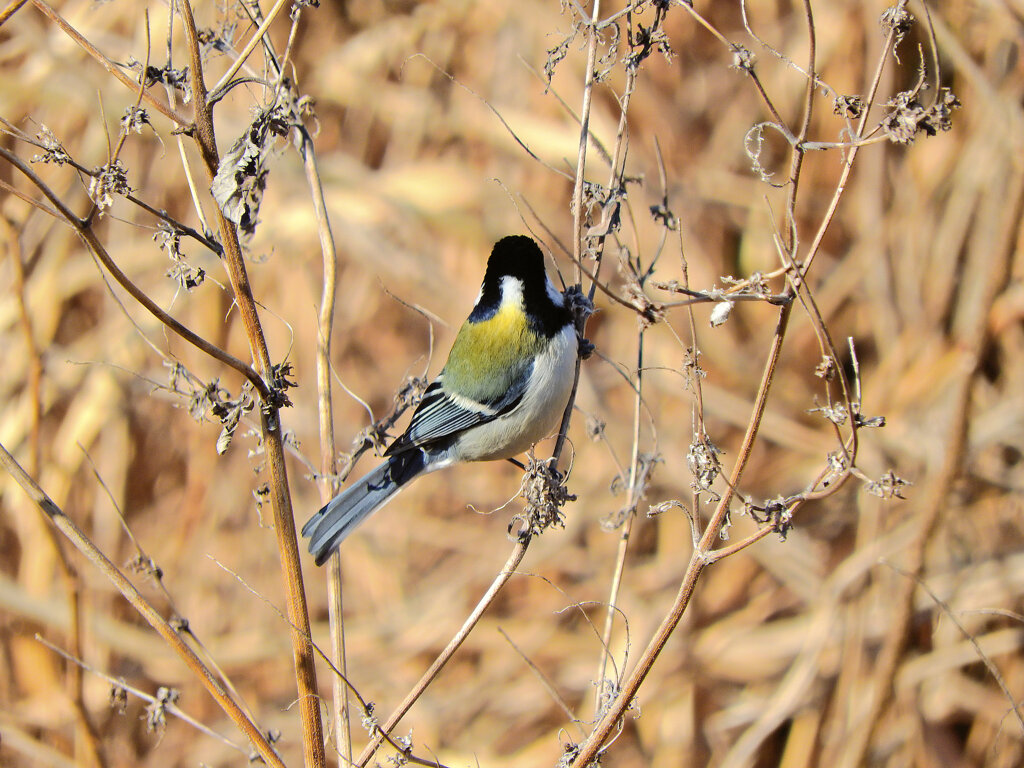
x=270 y=423
x=329 y=484
x=339 y=691
x=627 y=527
x=168 y=707
x=82 y=543
x=723 y=552
x=796 y=162
x=249 y=48
x=581 y=159
x=698 y=561
x=87 y=746
x=181 y=120
x=851 y=155
x=611 y=607
x=97 y=249
x=514 y=559
x=176 y=225
x=12 y=8
x=190 y=180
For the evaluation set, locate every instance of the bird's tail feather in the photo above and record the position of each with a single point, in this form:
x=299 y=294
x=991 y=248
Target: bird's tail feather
x=340 y=516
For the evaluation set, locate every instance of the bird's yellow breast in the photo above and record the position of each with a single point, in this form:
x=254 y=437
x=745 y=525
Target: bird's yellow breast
x=489 y=355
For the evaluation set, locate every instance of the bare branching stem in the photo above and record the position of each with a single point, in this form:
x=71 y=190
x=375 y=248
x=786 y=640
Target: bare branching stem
x=84 y=545
x=851 y=155
x=98 y=250
x=698 y=561
x=270 y=422
x=179 y=119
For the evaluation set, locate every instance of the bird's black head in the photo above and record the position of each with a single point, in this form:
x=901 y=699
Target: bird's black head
x=516 y=256
x=519 y=257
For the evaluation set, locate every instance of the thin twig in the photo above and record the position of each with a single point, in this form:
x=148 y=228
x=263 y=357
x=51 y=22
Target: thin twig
x=12 y=8
x=258 y=35
x=985 y=659
x=329 y=484
x=544 y=680
x=365 y=706
x=176 y=225
x=844 y=176
x=581 y=158
x=506 y=573
x=166 y=706
x=84 y=545
x=698 y=561
x=627 y=527
x=99 y=251
x=110 y=66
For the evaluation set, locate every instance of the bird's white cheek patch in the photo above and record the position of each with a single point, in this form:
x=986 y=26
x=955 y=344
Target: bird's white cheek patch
x=511 y=291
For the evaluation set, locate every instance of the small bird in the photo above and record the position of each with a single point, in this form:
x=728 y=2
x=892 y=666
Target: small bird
x=504 y=387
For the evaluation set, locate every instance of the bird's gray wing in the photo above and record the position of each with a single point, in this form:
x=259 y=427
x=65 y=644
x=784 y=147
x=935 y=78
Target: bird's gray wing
x=442 y=414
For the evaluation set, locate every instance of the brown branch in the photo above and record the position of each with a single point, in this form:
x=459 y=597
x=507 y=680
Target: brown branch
x=12 y=8
x=270 y=423
x=110 y=66
x=97 y=249
x=518 y=552
x=84 y=545
x=698 y=561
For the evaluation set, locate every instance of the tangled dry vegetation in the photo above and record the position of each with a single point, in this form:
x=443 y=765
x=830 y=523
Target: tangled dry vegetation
x=796 y=452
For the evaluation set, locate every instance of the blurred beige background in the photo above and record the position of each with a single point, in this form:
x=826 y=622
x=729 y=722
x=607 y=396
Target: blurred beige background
x=421 y=176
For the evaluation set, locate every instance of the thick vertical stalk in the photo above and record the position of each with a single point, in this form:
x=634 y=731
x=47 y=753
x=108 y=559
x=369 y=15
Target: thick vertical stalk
x=270 y=424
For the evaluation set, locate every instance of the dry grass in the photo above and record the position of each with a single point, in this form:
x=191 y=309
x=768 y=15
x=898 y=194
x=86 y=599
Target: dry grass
x=785 y=645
